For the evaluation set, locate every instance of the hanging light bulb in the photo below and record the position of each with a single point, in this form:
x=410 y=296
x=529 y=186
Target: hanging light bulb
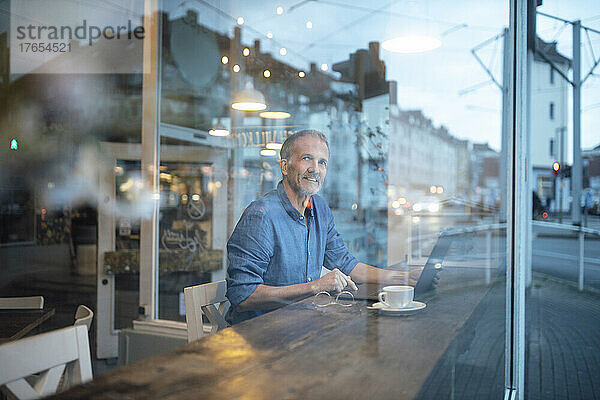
x=249 y=99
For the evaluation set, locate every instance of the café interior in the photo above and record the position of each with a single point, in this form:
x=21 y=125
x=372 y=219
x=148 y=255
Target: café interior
x=128 y=162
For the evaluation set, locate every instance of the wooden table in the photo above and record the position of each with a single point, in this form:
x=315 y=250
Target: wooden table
x=303 y=352
x=14 y=324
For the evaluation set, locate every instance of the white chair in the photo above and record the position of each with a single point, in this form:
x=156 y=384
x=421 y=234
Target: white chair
x=22 y=303
x=203 y=298
x=46 y=356
x=84 y=316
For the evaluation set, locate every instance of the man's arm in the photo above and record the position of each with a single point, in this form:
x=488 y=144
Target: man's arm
x=267 y=297
x=363 y=273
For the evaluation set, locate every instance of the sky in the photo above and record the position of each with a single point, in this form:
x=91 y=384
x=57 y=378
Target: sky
x=447 y=84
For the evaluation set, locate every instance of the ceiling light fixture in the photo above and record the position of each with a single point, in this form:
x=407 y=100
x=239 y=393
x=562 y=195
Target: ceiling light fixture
x=275 y=114
x=268 y=152
x=218 y=130
x=249 y=99
x=274 y=146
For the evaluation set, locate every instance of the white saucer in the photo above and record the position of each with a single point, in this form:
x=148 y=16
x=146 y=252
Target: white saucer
x=412 y=308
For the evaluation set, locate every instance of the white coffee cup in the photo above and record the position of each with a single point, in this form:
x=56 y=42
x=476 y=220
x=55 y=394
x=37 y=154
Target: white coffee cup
x=397 y=296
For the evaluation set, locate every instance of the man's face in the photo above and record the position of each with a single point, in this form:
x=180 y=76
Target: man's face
x=306 y=169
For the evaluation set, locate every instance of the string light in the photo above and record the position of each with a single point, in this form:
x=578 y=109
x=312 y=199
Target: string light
x=224 y=59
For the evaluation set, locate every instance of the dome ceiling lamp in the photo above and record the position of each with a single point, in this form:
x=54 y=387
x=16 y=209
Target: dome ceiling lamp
x=417 y=33
x=275 y=114
x=219 y=130
x=249 y=99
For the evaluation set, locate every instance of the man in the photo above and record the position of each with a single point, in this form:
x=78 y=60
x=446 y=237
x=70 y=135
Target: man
x=281 y=241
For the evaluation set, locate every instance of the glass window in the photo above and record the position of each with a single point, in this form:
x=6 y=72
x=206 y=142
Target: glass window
x=124 y=177
x=562 y=280
x=415 y=138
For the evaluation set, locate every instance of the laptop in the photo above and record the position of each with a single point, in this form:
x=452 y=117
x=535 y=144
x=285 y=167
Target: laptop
x=425 y=284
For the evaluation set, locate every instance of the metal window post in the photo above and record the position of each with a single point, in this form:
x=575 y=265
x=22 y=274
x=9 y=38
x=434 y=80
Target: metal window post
x=517 y=206
x=576 y=181
x=148 y=300
x=581 y=259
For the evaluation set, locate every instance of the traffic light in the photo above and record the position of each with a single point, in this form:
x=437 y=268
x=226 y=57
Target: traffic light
x=555 y=168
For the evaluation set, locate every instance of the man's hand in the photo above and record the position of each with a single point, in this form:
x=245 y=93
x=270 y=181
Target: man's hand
x=334 y=281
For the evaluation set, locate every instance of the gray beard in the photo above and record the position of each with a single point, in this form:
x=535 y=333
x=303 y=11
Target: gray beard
x=298 y=190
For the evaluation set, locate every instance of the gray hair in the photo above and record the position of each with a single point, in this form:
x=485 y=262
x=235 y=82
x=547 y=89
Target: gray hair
x=288 y=144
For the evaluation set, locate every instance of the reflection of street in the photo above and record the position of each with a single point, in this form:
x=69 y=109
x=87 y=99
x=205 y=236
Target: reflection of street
x=555 y=253
x=562 y=353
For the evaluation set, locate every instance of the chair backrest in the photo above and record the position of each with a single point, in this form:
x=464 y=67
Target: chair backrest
x=46 y=355
x=22 y=303
x=203 y=299
x=84 y=316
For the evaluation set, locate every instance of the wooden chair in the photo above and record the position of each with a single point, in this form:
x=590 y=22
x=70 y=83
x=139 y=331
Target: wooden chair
x=22 y=303
x=33 y=367
x=204 y=298
x=84 y=316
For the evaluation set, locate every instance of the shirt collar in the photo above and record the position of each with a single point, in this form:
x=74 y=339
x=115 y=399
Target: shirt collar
x=287 y=204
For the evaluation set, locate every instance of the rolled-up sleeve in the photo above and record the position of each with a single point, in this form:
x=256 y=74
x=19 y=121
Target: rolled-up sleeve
x=249 y=251
x=337 y=254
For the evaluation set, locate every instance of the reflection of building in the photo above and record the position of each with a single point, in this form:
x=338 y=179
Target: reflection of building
x=422 y=156
x=485 y=165
x=549 y=117
x=591 y=174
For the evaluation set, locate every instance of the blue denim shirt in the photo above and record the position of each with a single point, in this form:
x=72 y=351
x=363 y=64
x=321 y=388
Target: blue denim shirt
x=272 y=245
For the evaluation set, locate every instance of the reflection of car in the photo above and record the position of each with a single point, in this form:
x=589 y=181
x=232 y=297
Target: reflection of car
x=426 y=204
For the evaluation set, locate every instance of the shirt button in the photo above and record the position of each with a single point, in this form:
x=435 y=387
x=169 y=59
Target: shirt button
x=309 y=252
x=309 y=279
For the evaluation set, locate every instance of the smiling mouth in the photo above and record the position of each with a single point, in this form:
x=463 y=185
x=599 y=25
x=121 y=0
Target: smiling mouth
x=311 y=179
